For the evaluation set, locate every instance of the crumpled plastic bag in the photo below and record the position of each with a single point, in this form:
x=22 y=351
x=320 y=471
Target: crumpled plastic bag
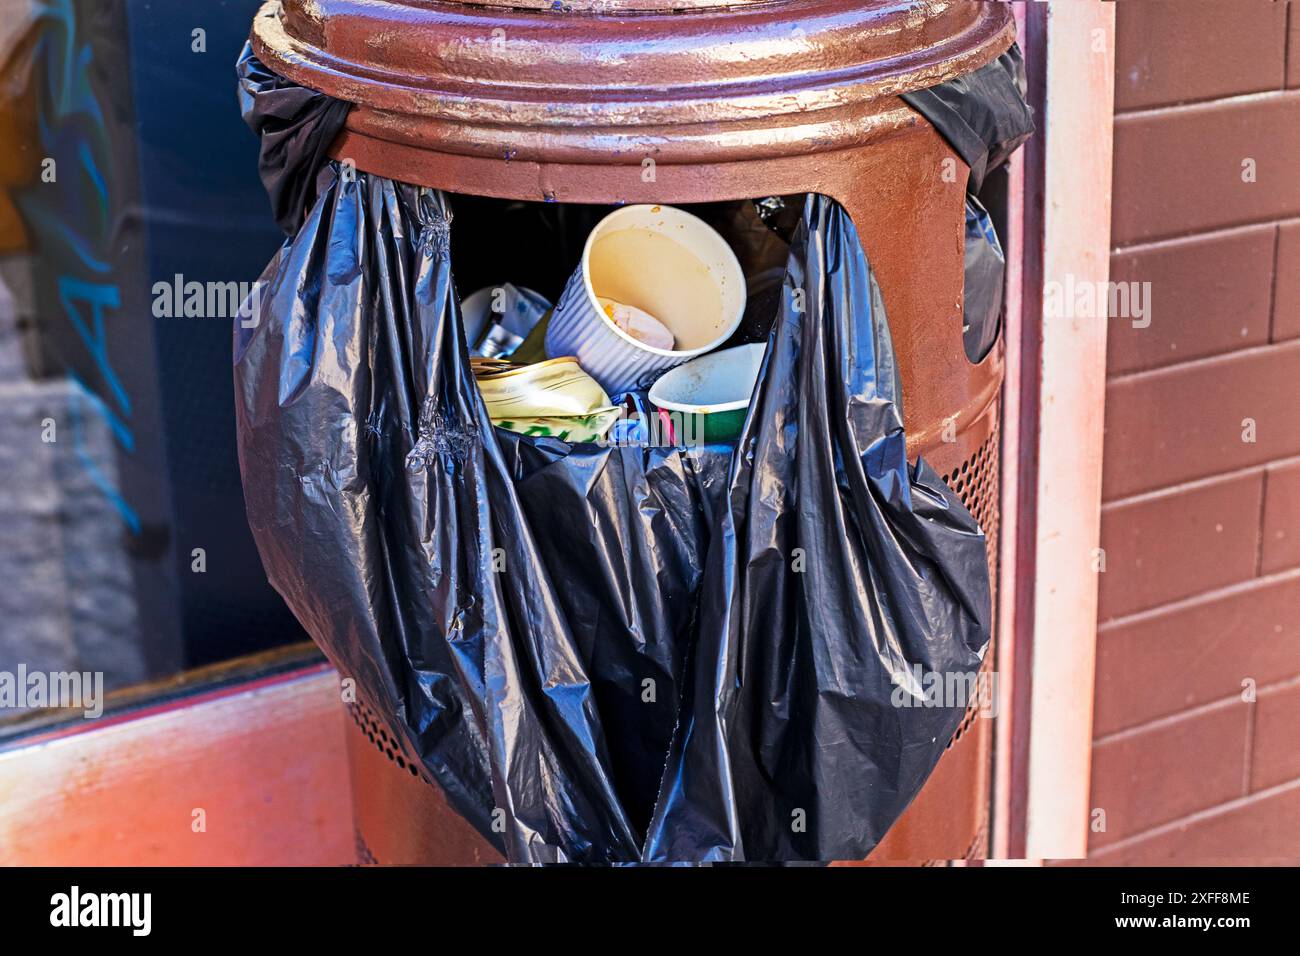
x=606 y=653
x=295 y=126
x=985 y=280
x=983 y=114
x=984 y=117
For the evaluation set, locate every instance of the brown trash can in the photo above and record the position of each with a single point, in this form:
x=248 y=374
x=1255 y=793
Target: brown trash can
x=681 y=101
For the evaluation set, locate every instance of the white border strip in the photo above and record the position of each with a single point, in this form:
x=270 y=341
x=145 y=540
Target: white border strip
x=1076 y=244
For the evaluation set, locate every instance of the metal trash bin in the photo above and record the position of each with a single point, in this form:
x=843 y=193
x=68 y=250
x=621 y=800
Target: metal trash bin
x=681 y=101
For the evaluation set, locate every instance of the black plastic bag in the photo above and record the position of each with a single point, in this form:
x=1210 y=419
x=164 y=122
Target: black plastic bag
x=983 y=114
x=984 y=117
x=985 y=280
x=295 y=126
x=617 y=653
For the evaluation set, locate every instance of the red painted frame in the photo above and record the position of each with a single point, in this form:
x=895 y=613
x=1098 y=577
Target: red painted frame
x=235 y=767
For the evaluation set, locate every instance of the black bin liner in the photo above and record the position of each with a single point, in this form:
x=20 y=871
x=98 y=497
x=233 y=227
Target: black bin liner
x=984 y=117
x=983 y=114
x=984 y=281
x=604 y=653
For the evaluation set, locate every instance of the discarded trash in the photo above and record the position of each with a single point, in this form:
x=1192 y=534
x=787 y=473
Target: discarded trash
x=714 y=390
x=555 y=398
x=571 y=428
x=554 y=387
x=499 y=318
x=663 y=261
x=533 y=348
x=638 y=323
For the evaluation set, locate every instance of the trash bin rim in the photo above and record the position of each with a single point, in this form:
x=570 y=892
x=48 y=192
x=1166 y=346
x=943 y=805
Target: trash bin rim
x=564 y=88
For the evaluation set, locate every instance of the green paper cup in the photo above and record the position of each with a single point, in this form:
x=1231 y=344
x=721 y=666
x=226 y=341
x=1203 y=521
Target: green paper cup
x=707 y=399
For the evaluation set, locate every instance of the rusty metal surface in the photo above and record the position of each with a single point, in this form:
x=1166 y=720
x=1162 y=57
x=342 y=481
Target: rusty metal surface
x=790 y=77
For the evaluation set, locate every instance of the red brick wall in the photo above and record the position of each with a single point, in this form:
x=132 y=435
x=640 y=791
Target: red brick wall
x=1201 y=528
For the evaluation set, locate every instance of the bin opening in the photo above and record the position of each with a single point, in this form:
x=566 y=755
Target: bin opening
x=514 y=259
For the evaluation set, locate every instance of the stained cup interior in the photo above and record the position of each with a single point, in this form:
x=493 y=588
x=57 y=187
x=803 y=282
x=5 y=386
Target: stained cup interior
x=672 y=265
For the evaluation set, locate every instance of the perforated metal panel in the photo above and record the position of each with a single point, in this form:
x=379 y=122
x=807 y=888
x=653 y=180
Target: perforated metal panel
x=373 y=729
x=976 y=481
x=949 y=818
x=400 y=814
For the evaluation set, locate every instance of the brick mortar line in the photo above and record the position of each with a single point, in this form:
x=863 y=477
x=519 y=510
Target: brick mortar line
x=1280 y=93
x=1259 y=523
x=1247 y=764
x=1272 y=285
x=1286 y=45
x=1198 y=710
x=1282 y=218
x=1219 y=809
x=1204 y=361
x=1218 y=232
x=1196 y=484
x=1179 y=363
x=1191 y=602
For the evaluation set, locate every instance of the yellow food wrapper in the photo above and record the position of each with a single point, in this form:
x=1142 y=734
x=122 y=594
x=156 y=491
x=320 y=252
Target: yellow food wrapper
x=572 y=428
x=557 y=388
x=554 y=399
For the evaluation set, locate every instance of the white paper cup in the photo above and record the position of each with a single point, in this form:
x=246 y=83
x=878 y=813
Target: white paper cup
x=659 y=259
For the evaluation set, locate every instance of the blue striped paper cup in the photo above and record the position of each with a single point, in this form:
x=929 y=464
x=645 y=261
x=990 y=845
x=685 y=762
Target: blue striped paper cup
x=693 y=284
